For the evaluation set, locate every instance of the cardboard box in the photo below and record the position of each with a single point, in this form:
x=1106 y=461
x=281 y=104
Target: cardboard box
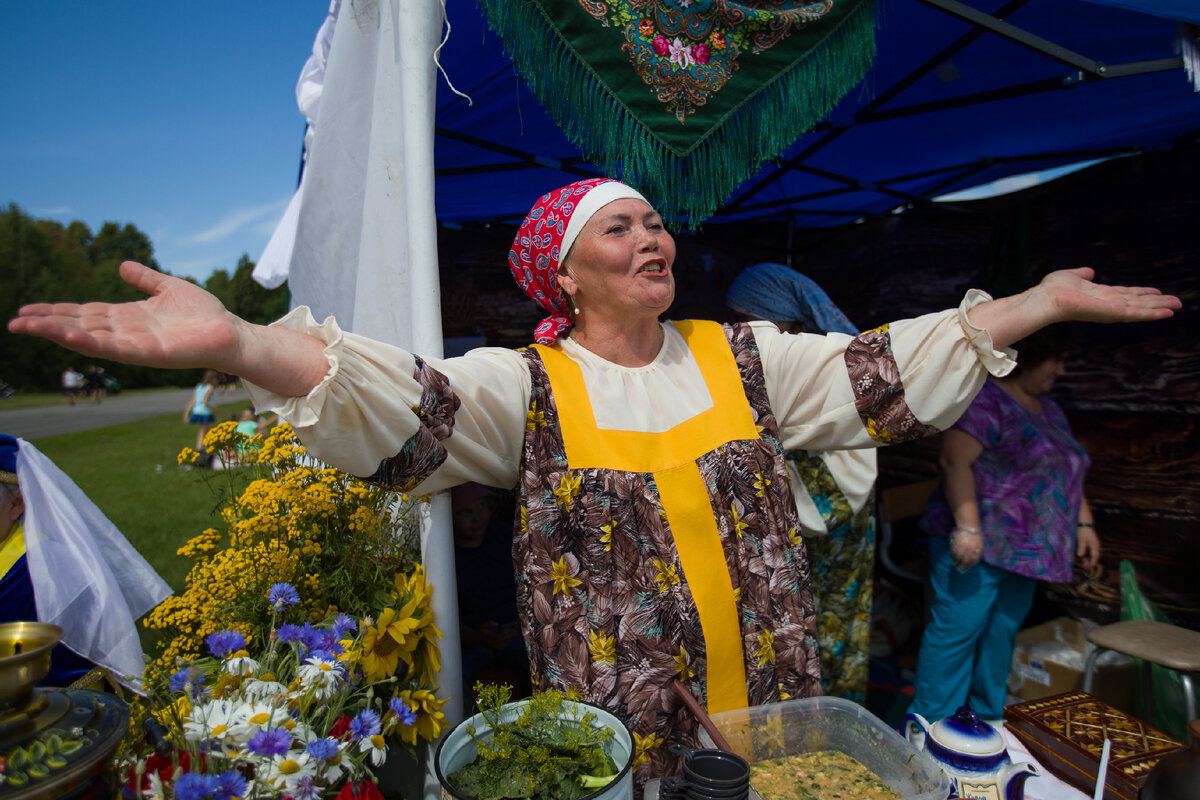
x=1049 y=659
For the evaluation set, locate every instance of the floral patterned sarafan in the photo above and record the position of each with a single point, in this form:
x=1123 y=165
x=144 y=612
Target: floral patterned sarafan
x=688 y=50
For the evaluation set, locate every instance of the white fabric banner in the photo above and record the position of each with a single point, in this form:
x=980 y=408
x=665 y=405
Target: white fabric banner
x=88 y=579
x=365 y=248
x=273 y=265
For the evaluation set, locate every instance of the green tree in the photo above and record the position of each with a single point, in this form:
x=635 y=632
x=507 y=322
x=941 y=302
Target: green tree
x=44 y=261
x=242 y=295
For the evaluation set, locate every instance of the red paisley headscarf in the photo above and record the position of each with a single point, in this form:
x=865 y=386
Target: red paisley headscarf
x=546 y=236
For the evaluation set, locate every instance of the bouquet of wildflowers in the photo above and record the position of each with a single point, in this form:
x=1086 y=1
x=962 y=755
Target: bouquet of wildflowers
x=286 y=517
x=307 y=718
x=264 y=690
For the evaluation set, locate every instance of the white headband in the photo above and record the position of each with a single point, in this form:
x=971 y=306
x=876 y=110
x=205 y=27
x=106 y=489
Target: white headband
x=592 y=202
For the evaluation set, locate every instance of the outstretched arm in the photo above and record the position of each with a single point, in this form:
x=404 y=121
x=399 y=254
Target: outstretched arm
x=179 y=325
x=1064 y=296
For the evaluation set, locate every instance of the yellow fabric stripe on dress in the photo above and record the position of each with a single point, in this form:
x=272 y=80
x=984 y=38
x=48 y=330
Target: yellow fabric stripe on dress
x=588 y=446
x=12 y=549
x=703 y=562
x=671 y=456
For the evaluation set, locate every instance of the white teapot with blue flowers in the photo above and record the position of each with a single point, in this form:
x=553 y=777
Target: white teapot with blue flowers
x=973 y=754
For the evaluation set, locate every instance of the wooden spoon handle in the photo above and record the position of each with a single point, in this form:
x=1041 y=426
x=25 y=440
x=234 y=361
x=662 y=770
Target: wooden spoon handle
x=694 y=706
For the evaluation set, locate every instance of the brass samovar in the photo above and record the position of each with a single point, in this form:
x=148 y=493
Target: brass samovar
x=54 y=743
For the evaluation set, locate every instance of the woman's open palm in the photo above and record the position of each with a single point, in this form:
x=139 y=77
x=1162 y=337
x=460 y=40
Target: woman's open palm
x=1080 y=299
x=178 y=325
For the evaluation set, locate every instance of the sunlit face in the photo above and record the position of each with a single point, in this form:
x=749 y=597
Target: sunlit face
x=621 y=262
x=1040 y=379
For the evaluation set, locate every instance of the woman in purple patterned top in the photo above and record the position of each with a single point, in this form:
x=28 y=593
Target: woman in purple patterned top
x=1010 y=512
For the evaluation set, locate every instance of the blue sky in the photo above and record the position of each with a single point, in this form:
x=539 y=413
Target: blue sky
x=178 y=116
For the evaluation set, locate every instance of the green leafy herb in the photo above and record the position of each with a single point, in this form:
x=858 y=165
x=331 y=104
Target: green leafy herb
x=552 y=750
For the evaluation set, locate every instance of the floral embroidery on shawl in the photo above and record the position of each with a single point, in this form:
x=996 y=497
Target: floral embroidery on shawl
x=687 y=50
x=878 y=392
x=423 y=452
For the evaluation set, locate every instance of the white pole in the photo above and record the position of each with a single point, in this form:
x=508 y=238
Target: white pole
x=366 y=244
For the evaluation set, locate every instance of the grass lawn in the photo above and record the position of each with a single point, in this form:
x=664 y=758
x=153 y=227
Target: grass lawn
x=32 y=399
x=130 y=472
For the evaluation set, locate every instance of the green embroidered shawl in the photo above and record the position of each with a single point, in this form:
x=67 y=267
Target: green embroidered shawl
x=685 y=99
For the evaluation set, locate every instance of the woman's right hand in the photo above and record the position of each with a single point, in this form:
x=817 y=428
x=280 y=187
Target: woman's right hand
x=179 y=325
x=966 y=547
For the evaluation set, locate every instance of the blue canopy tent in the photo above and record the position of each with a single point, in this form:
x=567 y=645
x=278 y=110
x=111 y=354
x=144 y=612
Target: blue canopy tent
x=959 y=95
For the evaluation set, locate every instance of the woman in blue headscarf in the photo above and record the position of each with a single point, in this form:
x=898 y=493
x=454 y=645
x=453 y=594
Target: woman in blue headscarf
x=833 y=490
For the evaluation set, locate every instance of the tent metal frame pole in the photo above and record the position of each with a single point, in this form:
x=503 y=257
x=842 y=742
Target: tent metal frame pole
x=895 y=89
x=1087 y=69
x=1018 y=36
x=1092 y=69
x=955 y=172
x=525 y=160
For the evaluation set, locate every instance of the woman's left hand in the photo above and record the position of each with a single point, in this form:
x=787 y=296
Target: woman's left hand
x=1066 y=295
x=1076 y=297
x=1087 y=547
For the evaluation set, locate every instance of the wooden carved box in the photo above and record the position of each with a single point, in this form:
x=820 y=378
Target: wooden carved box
x=1066 y=733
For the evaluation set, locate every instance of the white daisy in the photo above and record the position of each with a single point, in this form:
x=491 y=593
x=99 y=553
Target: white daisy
x=321 y=675
x=250 y=718
x=242 y=666
x=263 y=690
x=155 y=790
x=210 y=720
x=375 y=746
x=285 y=771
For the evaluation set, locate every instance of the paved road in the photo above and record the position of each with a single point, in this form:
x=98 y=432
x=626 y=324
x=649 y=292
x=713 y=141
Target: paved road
x=34 y=423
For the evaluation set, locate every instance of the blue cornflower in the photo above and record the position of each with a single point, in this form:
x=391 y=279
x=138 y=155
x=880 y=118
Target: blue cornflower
x=222 y=643
x=364 y=724
x=289 y=633
x=271 y=742
x=230 y=786
x=179 y=679
x=192 y=786
x=319 y=655
x=322 y=749
x=281 y=595
x=405 y=714
x=343 y=625
x=316 y=638
x=306 y=789
x=185 y=677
